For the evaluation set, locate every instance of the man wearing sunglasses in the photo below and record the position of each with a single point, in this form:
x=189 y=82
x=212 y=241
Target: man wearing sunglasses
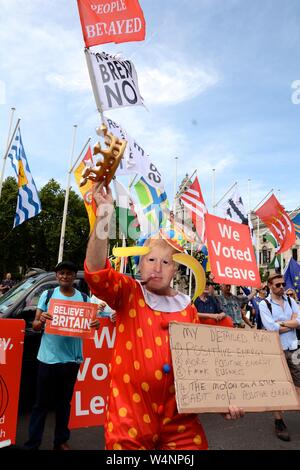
x=279 y=313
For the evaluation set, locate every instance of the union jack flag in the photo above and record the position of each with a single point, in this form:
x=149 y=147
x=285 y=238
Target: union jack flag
x=193 y=200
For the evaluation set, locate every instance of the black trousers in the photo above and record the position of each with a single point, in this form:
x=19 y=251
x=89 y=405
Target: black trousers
x=55 y=385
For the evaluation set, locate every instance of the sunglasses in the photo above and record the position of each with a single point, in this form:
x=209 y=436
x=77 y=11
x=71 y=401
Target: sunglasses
x=280 y=284
x=290 y=294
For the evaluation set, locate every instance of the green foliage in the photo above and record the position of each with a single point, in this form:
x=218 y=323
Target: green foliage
x=36 y=241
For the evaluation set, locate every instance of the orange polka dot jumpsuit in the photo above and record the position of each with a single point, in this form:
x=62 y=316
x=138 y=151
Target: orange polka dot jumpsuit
x=142 y=411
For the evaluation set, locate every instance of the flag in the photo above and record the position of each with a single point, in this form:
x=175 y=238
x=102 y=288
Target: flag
x=126 y=213
x=202 y=257
x=192 y=199
x=135 y=159
x=296 y=222
x=28 y=204
x=274 y=216
x=86 y=190
x=252 y=232
x=111 y=21
x=154 y=203
x=234 y=209
x=114 y=80
x=292 y=276
x=276 y=261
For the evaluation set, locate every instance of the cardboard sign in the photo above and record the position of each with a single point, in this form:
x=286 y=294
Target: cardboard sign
x=215 y=367
x=12 y=341
x=111 y=21
x=114 y=81
x=231 y=252
x=71 y=318
x=91 y=390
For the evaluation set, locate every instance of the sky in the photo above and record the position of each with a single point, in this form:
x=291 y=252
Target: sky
x=218 y=77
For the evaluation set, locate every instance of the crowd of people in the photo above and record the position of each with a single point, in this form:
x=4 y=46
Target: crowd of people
x=142 y=411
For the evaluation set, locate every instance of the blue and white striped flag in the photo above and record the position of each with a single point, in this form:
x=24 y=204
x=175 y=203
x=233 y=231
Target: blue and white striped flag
x=28 y=204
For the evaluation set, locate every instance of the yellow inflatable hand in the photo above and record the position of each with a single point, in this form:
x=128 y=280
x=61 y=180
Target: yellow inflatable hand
x=197 y=269
x=130 y=251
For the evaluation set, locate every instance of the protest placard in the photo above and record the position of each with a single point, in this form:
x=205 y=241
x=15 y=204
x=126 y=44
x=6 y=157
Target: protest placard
x=88 y=407
x=71 y=318
x=216 y=367
x=231 y=252
x=12 y=341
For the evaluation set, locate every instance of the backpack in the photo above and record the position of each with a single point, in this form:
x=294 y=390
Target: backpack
x=259 y=324
x=50 y=293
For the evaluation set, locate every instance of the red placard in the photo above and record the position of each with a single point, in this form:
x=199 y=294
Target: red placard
x=12 y=341
x=111 y=21
x=71 y=318
x=88 y=406
x=231 y=252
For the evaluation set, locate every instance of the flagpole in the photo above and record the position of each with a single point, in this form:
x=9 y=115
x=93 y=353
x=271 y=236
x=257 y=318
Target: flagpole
x=249 y=208
x=257 y=242
x=230 y=189
x=253 y=210
x=175 y=185
x=64 y=220
x=213 y=197
x=94 y=83
x=191 y=273
x=122 y=264
x=195 y=171
x=8 y=144
x=249 y=196
x=258 y=228
x=80 y=155
x=281 y=254
x=185 y=187
x=132 y=181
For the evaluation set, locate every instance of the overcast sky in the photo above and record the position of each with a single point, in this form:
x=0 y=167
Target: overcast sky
x=216 y=77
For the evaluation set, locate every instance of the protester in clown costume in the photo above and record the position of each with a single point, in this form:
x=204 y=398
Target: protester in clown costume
x=142 y=411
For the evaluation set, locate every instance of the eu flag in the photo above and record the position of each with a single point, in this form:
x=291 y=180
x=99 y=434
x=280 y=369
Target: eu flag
x=296 y=222
x=292 y=276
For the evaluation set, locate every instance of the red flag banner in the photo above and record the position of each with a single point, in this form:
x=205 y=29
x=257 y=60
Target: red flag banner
x=111 y=21
x=11 y=345
x=274 y=216
x=231 y=252
x=92 y=386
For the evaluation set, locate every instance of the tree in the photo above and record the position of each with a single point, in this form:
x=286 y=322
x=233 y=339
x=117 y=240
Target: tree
x=8 y=202
x=36 y=241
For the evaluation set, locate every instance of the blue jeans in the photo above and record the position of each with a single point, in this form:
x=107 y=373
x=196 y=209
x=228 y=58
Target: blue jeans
x=54 y=382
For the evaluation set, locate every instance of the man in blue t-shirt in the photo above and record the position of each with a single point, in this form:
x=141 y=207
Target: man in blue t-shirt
x=209 y=310
x=59 y=360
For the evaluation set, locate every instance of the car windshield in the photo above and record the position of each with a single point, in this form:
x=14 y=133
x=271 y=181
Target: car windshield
x=15 y=293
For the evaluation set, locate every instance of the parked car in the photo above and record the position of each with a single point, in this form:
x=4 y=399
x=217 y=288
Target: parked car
x=21 y=302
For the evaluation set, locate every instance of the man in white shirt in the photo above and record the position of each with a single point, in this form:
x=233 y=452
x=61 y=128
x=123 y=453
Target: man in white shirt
x=279 y=313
